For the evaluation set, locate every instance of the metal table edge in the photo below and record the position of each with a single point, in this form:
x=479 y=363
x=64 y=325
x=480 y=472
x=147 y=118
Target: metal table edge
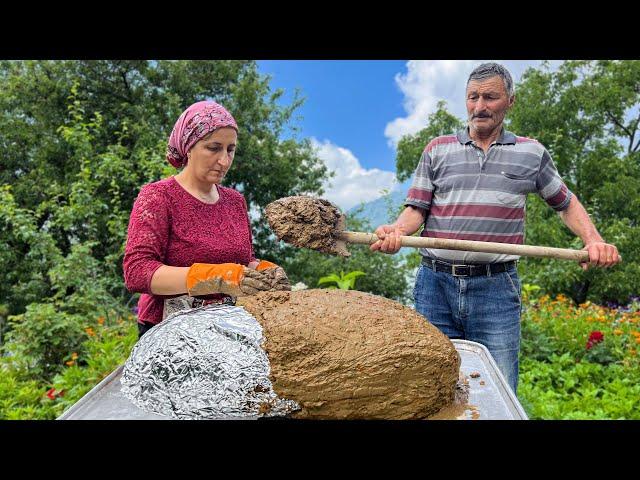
x=90 y=395
x=503 y=382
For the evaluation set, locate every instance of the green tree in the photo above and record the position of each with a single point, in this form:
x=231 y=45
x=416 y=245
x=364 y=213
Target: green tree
x=79 y=138
x=587 y=115
x=410 y=147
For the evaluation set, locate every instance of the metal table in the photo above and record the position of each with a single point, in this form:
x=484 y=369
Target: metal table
x=490 y=397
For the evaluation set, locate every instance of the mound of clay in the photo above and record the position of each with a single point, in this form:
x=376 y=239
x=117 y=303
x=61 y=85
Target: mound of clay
x=352 y=355
x=307 y=222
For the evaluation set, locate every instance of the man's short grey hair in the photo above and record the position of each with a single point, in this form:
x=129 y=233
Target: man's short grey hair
x=492 y=69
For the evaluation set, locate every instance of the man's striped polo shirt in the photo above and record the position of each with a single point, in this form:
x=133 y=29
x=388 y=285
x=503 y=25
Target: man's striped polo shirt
x=470 y=195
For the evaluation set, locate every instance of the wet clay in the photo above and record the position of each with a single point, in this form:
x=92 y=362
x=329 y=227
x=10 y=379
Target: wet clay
x=307 y=222
x=352 y=355
x=460 y=408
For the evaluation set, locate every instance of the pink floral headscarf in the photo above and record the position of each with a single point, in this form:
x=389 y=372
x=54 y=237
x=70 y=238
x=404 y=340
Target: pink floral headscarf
x=197 y=121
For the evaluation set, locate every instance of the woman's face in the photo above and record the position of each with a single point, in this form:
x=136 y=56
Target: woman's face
x=211 y=157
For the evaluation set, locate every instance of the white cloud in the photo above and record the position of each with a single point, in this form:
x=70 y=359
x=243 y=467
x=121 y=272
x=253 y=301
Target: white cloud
x=423 y=85
x=427 y=81
x=351 y=183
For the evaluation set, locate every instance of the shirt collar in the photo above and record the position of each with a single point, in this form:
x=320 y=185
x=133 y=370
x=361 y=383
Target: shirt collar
x=505 y=137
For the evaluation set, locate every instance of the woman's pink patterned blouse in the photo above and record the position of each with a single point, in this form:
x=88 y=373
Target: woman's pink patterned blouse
x=169 y=226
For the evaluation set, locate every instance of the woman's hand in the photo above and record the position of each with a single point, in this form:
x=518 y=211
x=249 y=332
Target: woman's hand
x=229 y=278
x=235 y=279
x=276 y=274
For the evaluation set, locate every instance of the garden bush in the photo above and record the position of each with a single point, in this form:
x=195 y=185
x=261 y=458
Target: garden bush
x=107 y=345
x=579 y=361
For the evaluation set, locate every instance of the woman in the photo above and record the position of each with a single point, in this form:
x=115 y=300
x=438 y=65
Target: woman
x=189 y=240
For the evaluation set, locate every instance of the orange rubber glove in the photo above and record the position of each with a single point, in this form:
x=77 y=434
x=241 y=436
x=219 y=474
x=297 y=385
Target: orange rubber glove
x=228 y=278
x=276 y=274
x=264 y=264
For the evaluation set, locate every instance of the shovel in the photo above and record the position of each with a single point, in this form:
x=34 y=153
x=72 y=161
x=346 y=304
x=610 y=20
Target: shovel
x=317 y=224
x=469 y=246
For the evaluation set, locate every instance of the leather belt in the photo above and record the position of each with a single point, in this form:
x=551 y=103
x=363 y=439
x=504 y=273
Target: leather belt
x=461 y=270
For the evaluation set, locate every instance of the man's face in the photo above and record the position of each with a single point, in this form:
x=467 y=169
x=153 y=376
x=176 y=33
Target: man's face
x=487 y=104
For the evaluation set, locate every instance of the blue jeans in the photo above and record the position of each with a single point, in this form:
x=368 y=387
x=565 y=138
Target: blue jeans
x=483 y=309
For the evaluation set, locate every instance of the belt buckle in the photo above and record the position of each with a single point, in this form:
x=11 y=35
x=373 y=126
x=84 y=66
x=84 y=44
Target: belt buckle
x=453 y=271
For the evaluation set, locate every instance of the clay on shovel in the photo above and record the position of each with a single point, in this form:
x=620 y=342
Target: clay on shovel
x=308 y=222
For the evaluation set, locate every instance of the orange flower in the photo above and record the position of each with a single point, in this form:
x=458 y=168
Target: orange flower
x=617 y=331
x=638 y=340
x=74 y=356
x=90 y=331
x=101 y=320
x=69 y=363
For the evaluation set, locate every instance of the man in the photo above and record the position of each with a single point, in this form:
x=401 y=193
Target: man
x=473 y=186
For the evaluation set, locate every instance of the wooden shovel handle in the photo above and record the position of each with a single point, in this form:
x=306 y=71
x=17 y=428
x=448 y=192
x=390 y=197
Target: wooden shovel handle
x=362 y=238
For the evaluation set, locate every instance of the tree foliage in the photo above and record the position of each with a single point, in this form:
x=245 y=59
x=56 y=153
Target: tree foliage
x=410 y=147
x=78 y=139
x=587 y=116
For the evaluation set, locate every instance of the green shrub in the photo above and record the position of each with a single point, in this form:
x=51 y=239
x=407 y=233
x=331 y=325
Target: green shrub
x=19 y=398
x=107 y=349
x=560 y=388
x=579 y=362
x=342 y=281
x=41 y=337
x=22 y=397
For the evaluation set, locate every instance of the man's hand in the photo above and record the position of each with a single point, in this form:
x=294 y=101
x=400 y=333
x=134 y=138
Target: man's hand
x=601 y=254
x=389 y=236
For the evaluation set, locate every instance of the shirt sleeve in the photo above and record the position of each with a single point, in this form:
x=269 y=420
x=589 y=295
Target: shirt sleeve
x=550 y=186
x=147 y=238
x=421 y=191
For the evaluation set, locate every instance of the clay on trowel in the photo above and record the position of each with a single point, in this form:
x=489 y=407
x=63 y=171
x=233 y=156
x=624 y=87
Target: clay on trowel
x=352 y=355
x=308 y=222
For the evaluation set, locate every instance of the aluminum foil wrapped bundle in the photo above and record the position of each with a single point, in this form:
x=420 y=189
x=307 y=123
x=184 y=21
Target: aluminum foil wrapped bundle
x=204 y=363
x=315 y=354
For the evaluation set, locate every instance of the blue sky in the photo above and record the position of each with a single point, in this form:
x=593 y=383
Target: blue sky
x=348 y=102
x=355 y=112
